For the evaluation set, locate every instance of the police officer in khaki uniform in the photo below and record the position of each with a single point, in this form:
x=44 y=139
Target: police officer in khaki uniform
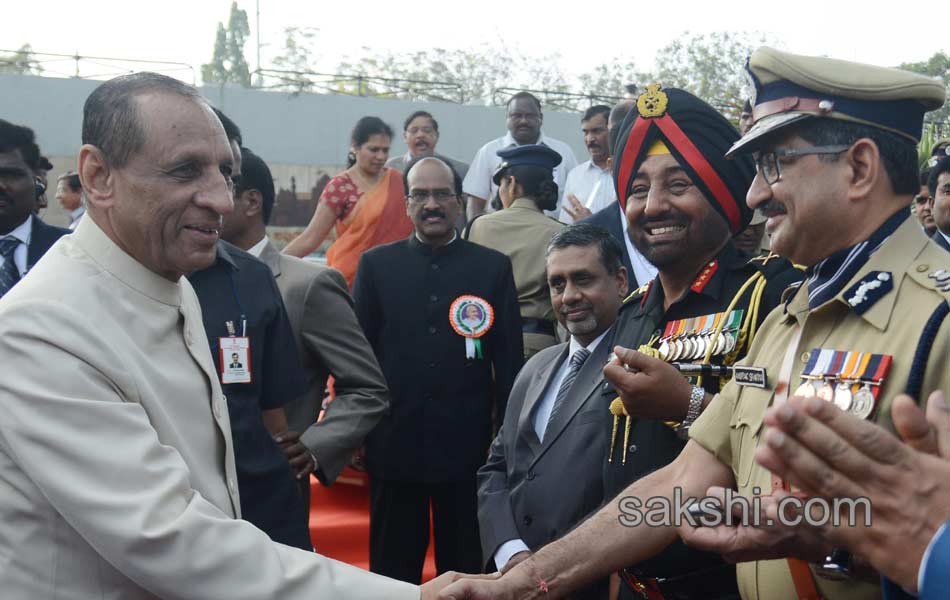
x=526 y=187
x=835 y=147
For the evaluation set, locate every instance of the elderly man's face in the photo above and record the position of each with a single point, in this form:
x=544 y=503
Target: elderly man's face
x=170 y=196
x=17 y=191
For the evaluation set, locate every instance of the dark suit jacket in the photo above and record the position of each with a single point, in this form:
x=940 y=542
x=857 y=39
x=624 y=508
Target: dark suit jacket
x=940 y=240
x=331 y=342
x=42 y=237
x=440 y=423
x=609 y=218
x=538 y=491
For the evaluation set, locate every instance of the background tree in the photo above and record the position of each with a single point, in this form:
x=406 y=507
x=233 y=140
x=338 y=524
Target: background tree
x=21 y=62
x=937 y=66
x=711 y=66
x=228 y=64
x=297 y=57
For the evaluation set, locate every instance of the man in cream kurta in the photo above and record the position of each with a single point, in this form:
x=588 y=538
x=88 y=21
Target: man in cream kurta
x=116 y=463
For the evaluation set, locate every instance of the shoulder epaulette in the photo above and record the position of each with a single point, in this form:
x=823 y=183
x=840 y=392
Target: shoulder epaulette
x=637 y=293
x=772 y=264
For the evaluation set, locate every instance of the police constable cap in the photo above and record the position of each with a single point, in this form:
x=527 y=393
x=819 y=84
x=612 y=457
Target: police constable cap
x=530 y=154
x=790 y=88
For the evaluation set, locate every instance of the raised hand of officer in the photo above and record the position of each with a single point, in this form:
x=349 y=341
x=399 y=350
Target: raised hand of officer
x=833 y=454
x=648 y=387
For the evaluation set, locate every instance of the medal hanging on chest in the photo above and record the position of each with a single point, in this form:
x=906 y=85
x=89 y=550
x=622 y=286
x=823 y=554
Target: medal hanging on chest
x=471 y=317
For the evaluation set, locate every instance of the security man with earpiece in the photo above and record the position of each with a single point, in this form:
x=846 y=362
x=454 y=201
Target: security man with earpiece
x=24 y=237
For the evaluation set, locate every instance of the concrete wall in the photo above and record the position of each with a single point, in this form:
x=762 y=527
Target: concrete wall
x=300 y=135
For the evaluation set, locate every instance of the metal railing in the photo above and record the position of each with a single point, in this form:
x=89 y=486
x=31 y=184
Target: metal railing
x=94 y=67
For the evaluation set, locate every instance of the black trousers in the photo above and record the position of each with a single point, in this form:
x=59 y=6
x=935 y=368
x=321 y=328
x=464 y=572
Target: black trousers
x=399 y=527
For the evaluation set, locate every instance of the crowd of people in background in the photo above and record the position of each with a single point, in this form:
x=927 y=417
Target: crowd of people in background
x=516 y=348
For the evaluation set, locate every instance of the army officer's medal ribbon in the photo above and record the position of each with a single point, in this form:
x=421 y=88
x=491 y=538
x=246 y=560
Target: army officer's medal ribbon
x=471 y=317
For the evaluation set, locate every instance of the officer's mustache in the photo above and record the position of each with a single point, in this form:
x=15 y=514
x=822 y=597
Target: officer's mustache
x=772 y=208
x=667 y=218
x=432 y=213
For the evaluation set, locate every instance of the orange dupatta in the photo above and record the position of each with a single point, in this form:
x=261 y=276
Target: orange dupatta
x=379 y=217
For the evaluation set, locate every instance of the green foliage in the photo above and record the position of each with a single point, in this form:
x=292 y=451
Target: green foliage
x=228 y=64
x=21 y=62
x=937 y=66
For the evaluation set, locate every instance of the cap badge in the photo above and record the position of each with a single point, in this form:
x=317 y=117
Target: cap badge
x=652 y=103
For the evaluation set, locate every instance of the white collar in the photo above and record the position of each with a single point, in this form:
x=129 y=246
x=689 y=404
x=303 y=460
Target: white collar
x=592 y=166
x=455 y=236
x=945 y=236
x=575 y=345
x=77 y=212
x=509 y=140
x=22 y=231
x=257 y=248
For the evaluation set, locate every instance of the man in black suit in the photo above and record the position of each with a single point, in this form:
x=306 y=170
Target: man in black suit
x=552 y=444
x=939 y=184
x=24 y=237
x=445 y=380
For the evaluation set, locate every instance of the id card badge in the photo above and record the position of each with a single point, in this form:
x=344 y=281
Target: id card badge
x=235 y=359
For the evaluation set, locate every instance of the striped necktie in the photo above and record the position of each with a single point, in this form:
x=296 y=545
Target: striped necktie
x=9 y=274
x=577 y=361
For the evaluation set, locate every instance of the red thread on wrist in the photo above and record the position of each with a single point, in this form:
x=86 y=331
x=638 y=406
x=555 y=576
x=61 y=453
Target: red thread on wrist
x=542 y=586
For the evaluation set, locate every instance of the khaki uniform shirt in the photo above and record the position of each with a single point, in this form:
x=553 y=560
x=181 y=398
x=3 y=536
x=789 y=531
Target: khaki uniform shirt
x=522 y=232
x=731 y=427
x=116 y=462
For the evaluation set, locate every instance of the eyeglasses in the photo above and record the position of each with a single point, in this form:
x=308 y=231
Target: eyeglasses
x=440 y=196
x=425 y=130
x=767 y=163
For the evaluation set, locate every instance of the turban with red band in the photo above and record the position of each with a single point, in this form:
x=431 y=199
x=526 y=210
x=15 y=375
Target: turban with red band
x=698 y=137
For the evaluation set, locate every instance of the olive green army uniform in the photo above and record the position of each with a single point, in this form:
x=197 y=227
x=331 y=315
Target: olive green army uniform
x=522 y=232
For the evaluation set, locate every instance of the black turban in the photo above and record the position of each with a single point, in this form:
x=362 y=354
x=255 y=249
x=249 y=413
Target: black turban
x=698 y=137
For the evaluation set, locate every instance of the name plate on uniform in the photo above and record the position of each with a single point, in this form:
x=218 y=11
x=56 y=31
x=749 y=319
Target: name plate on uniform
x=750 y=376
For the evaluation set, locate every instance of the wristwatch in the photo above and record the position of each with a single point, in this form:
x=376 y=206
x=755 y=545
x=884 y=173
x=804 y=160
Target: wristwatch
x=696 y=397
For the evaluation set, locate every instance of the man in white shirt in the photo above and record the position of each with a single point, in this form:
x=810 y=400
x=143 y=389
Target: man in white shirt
x=69 y=196
x=589 y=186
x=524 y=127
x=551 y=444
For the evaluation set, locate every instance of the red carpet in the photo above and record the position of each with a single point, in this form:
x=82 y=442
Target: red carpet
x=339 y=521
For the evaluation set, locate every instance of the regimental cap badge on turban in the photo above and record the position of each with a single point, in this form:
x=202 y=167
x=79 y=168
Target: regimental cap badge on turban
x=673 y=121
x=652 y=103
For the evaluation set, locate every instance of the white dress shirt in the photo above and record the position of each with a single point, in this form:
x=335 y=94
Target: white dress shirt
x=22 y=232
x=257 y=248
x=75 y=215
x=591 y=185
x=542 y=414
x=643 y=269
x=478 y=179
x=945 y=236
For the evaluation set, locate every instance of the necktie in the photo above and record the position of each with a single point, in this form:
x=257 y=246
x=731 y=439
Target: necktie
x=9 y=274
x=577 y=361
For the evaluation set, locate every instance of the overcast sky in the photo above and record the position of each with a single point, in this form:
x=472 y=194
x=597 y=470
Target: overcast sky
x=183 y=31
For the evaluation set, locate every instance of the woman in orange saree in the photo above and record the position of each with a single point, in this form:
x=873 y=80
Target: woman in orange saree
x=366 y=203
